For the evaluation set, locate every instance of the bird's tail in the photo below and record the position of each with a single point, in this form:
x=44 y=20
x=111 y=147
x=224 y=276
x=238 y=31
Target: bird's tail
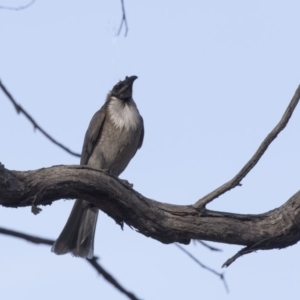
x=78 y=234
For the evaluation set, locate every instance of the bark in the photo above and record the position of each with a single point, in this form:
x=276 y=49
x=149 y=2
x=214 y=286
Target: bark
x=164 y=222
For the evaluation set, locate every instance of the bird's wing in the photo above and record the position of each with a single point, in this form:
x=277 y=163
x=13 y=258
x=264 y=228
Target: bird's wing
x=92 y=135
x=142 y=135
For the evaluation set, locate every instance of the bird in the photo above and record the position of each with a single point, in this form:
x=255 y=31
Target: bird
x=114 y=135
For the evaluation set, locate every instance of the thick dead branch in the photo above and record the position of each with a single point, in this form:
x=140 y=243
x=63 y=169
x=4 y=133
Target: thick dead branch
x=20 y=109
x=164 y=222
x=94 y=261
x=236 y=180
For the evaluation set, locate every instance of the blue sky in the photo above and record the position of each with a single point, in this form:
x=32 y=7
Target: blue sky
x=214 y=78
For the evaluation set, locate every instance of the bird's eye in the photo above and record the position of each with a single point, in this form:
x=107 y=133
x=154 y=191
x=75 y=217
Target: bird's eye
x=117 y=86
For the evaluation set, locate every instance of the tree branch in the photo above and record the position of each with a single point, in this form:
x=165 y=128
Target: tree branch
x=209 y=246
x=94 y=261
x=110 y=278
x=164 y=222
x=123 y=20
x=236 y=180
x=20 y=109
x=19 y=7
x=220 y=275
x=26 y=237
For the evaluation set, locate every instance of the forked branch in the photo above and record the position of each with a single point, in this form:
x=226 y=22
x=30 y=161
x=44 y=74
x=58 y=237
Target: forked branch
x=236 y=180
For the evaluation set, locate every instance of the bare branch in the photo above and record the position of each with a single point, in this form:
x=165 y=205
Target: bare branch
x=261 y=245
x=19 y=109
x=123 y=20
x=110 y=279
x=236 y=181
x=221 y=275
x=19 y=7
x=229 y=261
x=27 y=237
x=94 y=261
x=164 y=222
x=208 y=246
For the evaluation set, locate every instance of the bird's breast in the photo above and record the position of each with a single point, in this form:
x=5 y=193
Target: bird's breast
x=123 y=115
x=119 y=139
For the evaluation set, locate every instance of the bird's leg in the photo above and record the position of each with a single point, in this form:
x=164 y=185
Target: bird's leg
x=109 y=172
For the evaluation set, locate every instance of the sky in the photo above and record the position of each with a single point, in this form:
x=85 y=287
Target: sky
x=214 y=78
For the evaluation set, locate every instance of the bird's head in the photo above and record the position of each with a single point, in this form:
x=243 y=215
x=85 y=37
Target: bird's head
x=123 y=89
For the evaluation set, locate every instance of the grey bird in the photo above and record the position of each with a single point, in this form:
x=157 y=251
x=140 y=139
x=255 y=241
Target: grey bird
x=114 y=135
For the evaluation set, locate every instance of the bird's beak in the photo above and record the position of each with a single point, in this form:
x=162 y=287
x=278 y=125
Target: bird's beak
x=130 y=80
x=123 y=90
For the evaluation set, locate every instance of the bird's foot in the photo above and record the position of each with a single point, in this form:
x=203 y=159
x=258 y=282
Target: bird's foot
x=108 y=171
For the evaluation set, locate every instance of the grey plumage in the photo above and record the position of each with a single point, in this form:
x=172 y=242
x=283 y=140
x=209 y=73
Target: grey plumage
x=114 y=135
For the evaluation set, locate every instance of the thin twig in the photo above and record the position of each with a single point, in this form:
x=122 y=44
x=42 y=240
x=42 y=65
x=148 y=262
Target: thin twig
x=17 y=8
x=27 y=237
x=110 y=279
x=236 y=181
x=208 y=246
x=242 y=252
x=221 y=275
x=19 y=109
x=123 y=20
x=261 y=245
x=94 y=261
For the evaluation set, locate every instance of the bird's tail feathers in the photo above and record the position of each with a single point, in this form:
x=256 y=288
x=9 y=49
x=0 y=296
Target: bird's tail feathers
x=78 y=234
